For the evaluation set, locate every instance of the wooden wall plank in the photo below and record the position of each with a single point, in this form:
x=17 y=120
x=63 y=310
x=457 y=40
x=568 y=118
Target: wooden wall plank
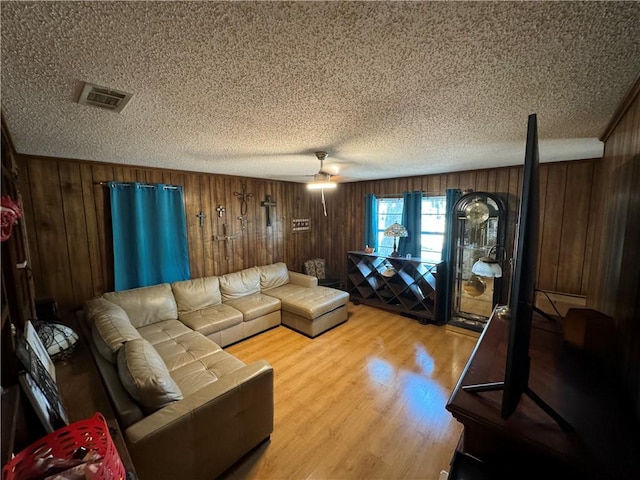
x=76 y=231
x=91 y=222
x=467 y=181
x=573 y=242
x=193 y=207
x=207 y=203
x=103 y=173
x=549 y=249
x=51 y=232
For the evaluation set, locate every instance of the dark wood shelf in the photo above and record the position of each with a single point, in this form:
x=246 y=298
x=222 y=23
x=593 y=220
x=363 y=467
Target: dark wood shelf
x=402 y=285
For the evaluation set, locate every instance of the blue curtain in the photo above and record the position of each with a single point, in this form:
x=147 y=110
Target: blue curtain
x=412 y=220
x=149 y=234
x=371 y=220
x=453 y=194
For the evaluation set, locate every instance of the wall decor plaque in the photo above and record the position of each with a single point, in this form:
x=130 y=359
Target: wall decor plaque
x=299 y=225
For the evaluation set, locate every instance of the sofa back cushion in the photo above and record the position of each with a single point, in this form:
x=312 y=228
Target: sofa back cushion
x=196 y=294
x=146 y=305
x=110 y=327
x=272 y=276
x=240 y=284
x=145 y=376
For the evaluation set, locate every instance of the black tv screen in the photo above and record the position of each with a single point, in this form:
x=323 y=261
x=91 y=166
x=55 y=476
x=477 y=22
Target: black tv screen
x=524 y=276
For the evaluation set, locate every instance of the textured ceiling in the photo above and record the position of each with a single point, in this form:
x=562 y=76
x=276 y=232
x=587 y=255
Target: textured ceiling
x=389 y=89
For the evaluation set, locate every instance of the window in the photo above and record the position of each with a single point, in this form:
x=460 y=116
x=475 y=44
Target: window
x=389 y=212
x=431 y=228
x=434 y=210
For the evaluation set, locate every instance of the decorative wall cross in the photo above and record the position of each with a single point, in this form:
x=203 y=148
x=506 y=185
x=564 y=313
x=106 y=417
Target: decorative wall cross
x=226 y=238
x=220 y=209
x=243 y=205
x=243 y=196
x=268 y=203
x=201 y=216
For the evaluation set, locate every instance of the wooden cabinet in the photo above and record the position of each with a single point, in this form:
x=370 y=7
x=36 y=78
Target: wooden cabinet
x=402 y=285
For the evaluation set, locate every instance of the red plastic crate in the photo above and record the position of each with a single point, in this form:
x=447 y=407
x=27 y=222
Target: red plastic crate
x=92 y=433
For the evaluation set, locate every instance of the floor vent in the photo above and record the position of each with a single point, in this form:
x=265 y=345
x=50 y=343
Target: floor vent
x=103 y=97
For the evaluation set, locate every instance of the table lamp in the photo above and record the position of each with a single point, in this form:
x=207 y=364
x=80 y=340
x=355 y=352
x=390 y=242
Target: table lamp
x=396 y=230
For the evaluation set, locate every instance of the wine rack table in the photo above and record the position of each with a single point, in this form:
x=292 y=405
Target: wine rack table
x=403 y=285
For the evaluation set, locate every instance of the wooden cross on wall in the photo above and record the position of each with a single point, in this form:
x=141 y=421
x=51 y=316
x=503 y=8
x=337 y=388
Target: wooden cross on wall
x=268 y=203
x=226 y=238
x=201 y=216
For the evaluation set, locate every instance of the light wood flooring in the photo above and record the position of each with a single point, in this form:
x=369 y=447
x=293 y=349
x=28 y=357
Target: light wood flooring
x=364 y=400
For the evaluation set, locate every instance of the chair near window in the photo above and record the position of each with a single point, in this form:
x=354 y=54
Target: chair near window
x=316 y=268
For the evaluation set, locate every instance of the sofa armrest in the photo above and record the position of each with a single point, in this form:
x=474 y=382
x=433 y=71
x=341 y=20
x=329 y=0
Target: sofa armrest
x=303 y=280
x=202 y=435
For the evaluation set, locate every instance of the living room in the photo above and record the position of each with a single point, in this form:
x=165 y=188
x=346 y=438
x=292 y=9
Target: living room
x=587 y=235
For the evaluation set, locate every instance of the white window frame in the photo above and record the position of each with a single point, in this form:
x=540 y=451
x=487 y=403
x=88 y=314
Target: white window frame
x=432 y=224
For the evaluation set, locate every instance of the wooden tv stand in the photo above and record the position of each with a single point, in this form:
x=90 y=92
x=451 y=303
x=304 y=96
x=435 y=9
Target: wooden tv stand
x=529 y=444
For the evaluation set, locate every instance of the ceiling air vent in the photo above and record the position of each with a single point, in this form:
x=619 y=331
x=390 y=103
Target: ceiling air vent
x=103 y=97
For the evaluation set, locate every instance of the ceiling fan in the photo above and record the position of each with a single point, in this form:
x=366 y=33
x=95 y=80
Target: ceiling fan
x=322 y=179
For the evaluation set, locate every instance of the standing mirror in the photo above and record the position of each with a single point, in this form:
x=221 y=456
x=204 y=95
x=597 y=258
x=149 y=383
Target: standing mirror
x=477 y=246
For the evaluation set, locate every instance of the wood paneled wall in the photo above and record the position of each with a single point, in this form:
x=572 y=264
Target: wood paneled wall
x=615 y=270
x=68 y=217
x=70 y=239
x=566 y=224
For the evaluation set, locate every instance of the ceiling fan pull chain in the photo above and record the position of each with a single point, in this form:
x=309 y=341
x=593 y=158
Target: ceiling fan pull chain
x=324 y=205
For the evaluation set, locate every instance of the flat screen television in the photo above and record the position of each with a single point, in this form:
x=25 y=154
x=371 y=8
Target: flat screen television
x=521 y=300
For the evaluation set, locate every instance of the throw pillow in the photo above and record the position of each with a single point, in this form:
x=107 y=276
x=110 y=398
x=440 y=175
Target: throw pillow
x=145 y=376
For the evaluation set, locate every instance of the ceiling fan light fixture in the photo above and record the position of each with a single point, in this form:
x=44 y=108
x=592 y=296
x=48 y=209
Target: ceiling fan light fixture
x=321 y=185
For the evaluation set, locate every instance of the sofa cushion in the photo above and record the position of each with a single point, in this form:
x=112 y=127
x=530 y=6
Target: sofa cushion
x=272 y=276
x=196 y=375
x=146 y=305
x=186 y=349
x=145 y=376
x=162 y=331
x=211 y=319
x=110 y=327
x=240 y=284
x=254 y=306
x=307 y=302
x=195 y=294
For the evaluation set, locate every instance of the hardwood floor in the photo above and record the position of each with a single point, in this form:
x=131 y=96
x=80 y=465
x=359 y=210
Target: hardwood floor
x=364 y=400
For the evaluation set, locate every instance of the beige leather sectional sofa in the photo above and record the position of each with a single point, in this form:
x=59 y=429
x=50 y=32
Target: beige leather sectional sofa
x=188 y=408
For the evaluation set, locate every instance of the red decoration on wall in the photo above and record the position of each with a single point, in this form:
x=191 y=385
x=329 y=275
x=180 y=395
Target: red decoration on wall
x=10 y=212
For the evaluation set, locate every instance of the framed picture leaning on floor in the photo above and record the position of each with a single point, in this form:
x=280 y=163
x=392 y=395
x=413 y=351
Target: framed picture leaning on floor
x=40 y=388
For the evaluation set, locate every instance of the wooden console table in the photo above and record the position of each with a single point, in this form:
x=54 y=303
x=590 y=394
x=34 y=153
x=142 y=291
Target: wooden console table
x=403 y=285
x=529 y=444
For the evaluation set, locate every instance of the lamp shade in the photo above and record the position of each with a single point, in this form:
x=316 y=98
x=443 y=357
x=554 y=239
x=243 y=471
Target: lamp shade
x=487 y=267
x=396 y=230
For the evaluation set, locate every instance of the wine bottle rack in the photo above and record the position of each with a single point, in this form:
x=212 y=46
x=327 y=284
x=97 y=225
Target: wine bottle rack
x=402 y=285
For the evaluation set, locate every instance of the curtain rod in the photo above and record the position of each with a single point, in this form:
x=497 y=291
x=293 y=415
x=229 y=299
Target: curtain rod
x=399 y=195
x=145 y=185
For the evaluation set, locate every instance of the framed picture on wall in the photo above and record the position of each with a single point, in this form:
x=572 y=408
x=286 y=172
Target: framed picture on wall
x=299 y=225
